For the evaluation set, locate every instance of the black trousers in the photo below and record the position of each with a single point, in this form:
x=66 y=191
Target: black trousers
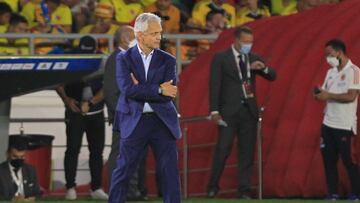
x=94 y=127
x=337 y=142
x=137 y=187
x=241 y=125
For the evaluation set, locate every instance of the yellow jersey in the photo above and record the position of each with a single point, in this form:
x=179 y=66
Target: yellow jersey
x=279 y=9
x=61 y=16
x=173 y=24
x=17 y=47
x=201 y=9
x=125 y=13
x=245 y=16
x=14 y=4
x=103 y=44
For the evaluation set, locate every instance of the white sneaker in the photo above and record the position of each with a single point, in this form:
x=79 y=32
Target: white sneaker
x=71 y=194
x=99 y=194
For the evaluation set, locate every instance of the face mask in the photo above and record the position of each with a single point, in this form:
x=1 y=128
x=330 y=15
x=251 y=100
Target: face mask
x=245 y=48
x=333 y=61
x=132 y=43
x=17 y=163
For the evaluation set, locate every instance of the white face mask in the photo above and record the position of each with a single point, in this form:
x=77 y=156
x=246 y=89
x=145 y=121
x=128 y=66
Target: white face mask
x=333 y=61
x=132 y=43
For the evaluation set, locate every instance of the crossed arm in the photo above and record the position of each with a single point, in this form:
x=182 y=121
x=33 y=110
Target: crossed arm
x=132 y=88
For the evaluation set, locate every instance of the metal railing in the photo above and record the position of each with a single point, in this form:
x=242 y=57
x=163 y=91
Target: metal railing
x=178 y=38
x=188 y=120
x=185 y=122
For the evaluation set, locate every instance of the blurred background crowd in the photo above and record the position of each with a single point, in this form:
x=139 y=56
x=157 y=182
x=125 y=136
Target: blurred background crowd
x=106 y=16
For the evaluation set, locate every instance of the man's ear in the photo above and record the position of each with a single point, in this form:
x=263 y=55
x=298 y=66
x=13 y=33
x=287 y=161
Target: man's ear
x=7 y=154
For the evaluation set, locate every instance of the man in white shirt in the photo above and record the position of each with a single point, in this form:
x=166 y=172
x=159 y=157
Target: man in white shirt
x=18 y=181
x=340 y=91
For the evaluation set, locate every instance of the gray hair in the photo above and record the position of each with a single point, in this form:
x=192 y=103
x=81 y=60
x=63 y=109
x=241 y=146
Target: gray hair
x=142 y=21
x=120 y=32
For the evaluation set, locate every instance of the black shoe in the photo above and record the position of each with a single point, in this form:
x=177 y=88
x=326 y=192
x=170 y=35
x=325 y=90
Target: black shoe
x=212 y=193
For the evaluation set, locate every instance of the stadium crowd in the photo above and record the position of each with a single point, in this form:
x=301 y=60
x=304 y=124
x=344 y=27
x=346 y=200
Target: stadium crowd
x=113 y=17
x=106 y=16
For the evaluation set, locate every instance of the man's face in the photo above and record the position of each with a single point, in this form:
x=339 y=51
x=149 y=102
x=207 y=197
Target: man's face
x=252 y=3
x=329 y=51
x=218 y=2
x=16 y=154
x=19 y=28
x=217 y=23
x=102 y=24
x=163 y=4
x=245 y=38
x=5 y=18
x=52 y=6
x=152 y=36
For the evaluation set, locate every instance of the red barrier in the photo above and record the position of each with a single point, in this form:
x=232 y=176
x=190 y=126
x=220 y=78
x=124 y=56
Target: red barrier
x=39 y=156
x=293 y=45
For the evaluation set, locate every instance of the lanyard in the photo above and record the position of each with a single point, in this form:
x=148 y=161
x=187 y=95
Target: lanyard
x=245 y=59
x=18 y=181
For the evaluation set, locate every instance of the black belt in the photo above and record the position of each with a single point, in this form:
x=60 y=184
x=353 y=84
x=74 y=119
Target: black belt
x=148 y=114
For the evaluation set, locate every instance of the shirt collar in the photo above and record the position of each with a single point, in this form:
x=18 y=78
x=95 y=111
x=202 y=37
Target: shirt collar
x=235 y=52
x=142 y=53
x=349 y=64
x=121 y=49
x=12 y=167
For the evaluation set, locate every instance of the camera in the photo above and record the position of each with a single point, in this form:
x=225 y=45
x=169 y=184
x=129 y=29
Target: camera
x=316 y=90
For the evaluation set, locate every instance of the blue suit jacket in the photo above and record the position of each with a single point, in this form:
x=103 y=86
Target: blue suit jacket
x=132 y=98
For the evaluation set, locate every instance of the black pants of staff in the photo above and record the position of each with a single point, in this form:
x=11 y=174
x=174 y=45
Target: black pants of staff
x=241 y=125
x=337 y=142
x=94 y=127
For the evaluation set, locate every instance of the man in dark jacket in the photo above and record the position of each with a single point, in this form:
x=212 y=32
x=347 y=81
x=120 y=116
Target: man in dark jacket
x=18 y=181
x=84 y=103
x=233 y=106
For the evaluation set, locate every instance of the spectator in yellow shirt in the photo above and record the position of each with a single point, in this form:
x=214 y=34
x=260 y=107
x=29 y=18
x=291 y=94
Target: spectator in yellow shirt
x=252 y=11
x=104 y=13
x=15 y=5
x=215 y=22
x=169 y=14
x=205 y=6
x=12 y=46
x=58 y=13
x=5 y=14
x=283 y=7
x=147 y=2
x=125 y=10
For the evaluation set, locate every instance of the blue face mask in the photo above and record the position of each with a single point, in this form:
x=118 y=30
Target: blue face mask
x=245 y=48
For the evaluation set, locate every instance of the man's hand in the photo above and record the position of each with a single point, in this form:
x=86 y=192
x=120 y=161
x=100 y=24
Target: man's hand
x=133 y=78
x=85 y=107
x=72 y=104
x=167 y=89
x=216 y=117
x=257 y=65
x=323 y=95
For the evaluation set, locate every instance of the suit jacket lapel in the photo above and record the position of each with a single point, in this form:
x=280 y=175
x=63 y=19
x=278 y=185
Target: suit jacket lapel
x=232 y=63
x=138 y=64
x=8 y=178
x=154 y=64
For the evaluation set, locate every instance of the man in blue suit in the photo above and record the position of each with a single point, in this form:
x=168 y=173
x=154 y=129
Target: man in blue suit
x=145 y=113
